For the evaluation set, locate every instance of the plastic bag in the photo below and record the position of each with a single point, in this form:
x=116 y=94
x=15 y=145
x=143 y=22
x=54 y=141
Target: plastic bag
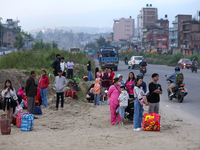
x=18 y=109
x=151 y=122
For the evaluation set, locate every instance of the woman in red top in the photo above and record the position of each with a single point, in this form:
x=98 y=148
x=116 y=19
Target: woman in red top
x=112 y=74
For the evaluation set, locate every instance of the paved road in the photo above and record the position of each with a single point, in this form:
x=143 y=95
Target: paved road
x=191 y=103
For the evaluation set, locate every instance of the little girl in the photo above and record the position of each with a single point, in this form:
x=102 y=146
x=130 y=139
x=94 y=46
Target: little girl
x=97 y=92
x=140 y=99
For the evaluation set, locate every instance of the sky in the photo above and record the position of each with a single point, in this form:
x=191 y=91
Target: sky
x=35 y=14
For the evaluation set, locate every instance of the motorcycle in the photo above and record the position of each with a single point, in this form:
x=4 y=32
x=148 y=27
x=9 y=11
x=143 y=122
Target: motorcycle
x=143 y=70
x=129 y=111
x=179 y=91
x=194 y=68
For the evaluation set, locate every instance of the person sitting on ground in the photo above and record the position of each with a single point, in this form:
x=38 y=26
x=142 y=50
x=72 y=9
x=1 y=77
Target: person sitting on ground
x=154 y=94
x=60 y=83
x=97 y=91
x=123 y=99
x=38 y=100
x=10 y=98
x=90 y=93
x=21 y=92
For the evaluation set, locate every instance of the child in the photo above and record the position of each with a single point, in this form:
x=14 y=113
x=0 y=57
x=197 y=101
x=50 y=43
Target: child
x=97 y=92
x=154 y=94
x=21 y=92
x=140 y=99
x=121 y=79
x=63 y=66
x=123 y=99
x=60 y=83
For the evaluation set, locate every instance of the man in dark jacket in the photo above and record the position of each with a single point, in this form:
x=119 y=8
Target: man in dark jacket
x=31 y=91
x=56 y=65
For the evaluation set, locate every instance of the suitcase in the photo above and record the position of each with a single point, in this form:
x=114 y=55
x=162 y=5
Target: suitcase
x=151 y=122
x=19 y=118
x=37 y=110
x=70 y=93
x=27 y=122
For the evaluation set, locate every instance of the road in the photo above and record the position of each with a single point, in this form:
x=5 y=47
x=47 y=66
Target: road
x=190 y=107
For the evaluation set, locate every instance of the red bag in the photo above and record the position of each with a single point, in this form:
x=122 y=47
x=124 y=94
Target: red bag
x=19 y=118
x=151 y=122
x=70 y=93
x=13 y=120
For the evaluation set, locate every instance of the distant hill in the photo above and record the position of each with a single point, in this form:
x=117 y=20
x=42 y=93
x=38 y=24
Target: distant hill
x=90 y=30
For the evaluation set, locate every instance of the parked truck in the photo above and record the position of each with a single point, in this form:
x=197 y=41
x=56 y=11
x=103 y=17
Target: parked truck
x=108 y=58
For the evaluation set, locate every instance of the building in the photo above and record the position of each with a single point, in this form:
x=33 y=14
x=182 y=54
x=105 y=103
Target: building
x=123 y=29
x=11 y=30
x=190 y=37
x=147 y=17
x=175 y=32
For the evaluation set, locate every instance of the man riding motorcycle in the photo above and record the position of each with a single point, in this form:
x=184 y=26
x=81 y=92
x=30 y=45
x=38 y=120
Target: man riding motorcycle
x=126 y=60
x=143 y=63
x=173 y=77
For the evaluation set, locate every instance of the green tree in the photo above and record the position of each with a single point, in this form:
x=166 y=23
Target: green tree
x=91 y=45
x=54 y=44
x=102 y=42
x=19 y=41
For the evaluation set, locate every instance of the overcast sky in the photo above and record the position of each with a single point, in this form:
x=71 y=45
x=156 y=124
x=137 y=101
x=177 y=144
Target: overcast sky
x=95 y=13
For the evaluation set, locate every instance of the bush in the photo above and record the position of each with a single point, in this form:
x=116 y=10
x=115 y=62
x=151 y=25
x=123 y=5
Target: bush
x=39 y=60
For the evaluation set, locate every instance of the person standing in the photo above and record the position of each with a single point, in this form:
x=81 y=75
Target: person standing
x=31 y=92
x=97 y=91
x=113 y=94
x=43 y=84
x=140 y=99
x=10 y=98
x=60 y=83
x=63 y=66
x=154 y=94
x=70 y=66
x=130 y=84
x=89 y=70
x=97 y=74
x=112 y=74
x=56 y=65
x=105 y=80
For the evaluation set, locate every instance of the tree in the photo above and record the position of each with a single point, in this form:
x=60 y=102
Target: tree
x=102 y=42
x=19 y=41
x=54 y=44
x=27 y=37
x=91 y=45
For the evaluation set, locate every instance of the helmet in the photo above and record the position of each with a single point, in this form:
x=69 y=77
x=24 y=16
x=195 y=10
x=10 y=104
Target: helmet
x=140 y=75
x=177 y=69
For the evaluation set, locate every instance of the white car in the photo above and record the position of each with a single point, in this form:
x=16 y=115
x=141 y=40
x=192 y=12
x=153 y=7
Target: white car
x=135 y=61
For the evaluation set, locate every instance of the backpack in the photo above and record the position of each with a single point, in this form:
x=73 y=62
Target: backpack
x=179 y=78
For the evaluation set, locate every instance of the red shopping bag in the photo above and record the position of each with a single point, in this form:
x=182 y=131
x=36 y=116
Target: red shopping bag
x=151 y=122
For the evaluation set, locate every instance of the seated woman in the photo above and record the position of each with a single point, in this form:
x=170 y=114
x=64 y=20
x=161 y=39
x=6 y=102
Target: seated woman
x=90 y=94
x=10 y=98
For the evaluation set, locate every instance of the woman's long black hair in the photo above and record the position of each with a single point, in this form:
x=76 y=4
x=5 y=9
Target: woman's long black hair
x=96 y=70
x=129 y=76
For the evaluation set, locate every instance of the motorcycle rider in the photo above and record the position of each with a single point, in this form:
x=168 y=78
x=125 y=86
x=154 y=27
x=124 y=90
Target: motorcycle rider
x=126 y=59
x=173 y=77
x=194 y=62
x=143 y=63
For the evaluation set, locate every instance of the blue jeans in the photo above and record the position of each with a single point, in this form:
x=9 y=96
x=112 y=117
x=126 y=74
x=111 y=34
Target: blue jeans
x=89 y=75
x=138 y=111
x=44 y=96
x=121 y=111
x=96 y=99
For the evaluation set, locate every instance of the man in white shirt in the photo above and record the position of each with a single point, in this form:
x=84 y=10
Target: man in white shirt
x=63 y=66
x=70 y=66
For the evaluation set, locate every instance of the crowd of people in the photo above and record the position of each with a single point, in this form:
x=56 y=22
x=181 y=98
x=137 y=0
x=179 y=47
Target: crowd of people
x=108 y=85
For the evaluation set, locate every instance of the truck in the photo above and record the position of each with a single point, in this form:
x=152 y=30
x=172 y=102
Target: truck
x=89 y=53
x=108 y=58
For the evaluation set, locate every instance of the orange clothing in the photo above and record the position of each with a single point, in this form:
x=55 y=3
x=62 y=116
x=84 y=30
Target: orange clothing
x=97 y=87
